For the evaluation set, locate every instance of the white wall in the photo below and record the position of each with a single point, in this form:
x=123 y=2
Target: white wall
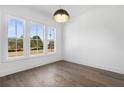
x=8 y=67
x=96 y=38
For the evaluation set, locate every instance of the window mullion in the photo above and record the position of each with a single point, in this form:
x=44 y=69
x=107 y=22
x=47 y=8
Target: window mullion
x=45 y=40
x=37 y=38
x=16 y=36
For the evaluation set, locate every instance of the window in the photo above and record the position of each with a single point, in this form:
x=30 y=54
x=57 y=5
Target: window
x=36 y=39
x=51 y=36
x=15 y=37
x=37 y=35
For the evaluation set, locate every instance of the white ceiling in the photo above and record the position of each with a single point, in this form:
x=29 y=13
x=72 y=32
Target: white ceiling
x=74 y=10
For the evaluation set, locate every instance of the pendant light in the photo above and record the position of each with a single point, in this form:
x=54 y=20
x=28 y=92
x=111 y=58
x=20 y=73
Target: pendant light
x=61 y=16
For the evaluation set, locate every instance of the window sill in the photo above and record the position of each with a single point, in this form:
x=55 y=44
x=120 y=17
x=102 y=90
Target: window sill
x=36 y=55
x=9 y=60
x=50 y=53
x=14 y=59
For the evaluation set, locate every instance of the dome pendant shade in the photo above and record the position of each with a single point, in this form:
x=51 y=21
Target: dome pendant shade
x=61 y=16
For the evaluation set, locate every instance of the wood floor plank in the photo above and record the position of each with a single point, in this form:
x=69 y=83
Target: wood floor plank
x=93 y=75
x=63 y=74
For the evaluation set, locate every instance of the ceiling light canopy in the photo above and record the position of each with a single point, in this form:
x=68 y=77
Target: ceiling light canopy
x=61 y=16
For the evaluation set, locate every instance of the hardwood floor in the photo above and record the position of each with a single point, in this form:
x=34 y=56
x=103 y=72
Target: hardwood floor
x=63 y=74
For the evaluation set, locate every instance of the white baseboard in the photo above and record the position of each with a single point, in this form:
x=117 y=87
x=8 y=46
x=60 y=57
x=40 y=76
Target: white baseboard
x=99 y=67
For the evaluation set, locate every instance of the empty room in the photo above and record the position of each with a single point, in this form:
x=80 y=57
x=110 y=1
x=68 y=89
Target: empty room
x=61 y=46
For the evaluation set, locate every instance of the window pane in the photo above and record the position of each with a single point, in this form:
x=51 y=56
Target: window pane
x=20 y=53
x=19 y=47
x=33 y=33
x=11 y=39
x=33 y=45
x=40 y=32
x=51 y=46
x=51 y=39
x=11 y=45
x=40 y=43
x=11 y=53
x=11 y=28
x=15 y=37
x=11 y=49
x=40 y=46
x=20 y=29
x=51 y=33
x=33 y=51
x=40 y=50
x=36 y=36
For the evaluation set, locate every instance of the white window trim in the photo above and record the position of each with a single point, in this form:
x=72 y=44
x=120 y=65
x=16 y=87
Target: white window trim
x=26 y=28
x=37 y=23
x=6 y=23
x=50 y=53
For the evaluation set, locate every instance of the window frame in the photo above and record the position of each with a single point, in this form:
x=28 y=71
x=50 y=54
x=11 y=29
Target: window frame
x=48 y=41
x=26 y=36
x=44 y=27
x=23 y=21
